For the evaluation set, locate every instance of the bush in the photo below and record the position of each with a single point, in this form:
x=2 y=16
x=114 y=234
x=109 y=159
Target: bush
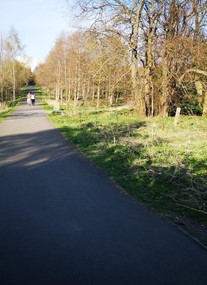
x=191 y=107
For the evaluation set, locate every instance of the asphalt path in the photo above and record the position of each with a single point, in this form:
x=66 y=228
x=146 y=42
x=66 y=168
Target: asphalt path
x=63 y=222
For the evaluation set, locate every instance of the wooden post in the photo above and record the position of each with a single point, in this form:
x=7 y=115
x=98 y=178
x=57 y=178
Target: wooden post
x=177 y=115
x=56 y=106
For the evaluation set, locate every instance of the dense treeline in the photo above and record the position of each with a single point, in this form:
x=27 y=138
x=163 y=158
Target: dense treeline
x=13 y=74
x=151 y=53
x=85 y=69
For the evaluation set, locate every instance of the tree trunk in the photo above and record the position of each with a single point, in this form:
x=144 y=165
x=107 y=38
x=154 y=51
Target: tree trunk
x=205 y=103
x=98 y=96
x=139 y=97
x=93 y=91
x=2 y=94
x=84 y=92
x=14 y=81
x=136 y=92
x=147 y=95
x=61 y=96
x=165 y=90
x=57 y=93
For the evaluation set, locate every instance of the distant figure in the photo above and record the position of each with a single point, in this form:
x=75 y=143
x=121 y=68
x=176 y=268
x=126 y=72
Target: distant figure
x=29 y=98
x=33 y=99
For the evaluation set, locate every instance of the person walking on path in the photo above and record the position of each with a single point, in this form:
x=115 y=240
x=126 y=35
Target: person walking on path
x=29 y=98
x=33 y=99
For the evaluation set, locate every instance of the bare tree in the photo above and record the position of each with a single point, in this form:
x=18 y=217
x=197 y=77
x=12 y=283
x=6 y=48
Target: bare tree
x=179 y=29
x=148 y=49
x=123 y=19
x=14 y=47
x=13 y=74
x=88 y=68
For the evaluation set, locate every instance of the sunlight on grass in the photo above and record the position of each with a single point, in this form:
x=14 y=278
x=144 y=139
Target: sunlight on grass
x=162 y=165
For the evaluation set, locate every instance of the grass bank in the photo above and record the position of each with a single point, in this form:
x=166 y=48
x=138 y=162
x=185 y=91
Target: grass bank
x=7 y=108
x=159 y=164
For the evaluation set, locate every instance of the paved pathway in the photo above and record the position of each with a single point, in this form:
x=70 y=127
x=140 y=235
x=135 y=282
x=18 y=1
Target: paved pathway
x=63 y=222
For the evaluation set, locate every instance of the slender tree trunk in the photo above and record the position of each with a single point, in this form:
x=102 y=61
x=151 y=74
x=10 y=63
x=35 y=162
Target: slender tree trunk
x=165 y=89
x=98 y=95
x=205 y=104
x=134 y=39
x=83 y=92
x=136 y=92
x=93 y=92
x=88 y=90
x=61 y=96
x=65 y=87
x=79 y=84
x=148 y=77
x=14 y=81
x=69 y=86
x=57 y=92
x=2 y=94
x=75 y=93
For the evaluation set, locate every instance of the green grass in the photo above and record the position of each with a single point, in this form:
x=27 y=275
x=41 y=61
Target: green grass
x=6 y=108
x=4 y=114
x=159 y=164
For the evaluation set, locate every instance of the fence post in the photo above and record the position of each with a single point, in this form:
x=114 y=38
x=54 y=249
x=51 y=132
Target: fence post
x=177 y=115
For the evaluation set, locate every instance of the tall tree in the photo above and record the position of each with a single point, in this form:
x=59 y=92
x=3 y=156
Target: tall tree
x=123 y=19
x=86 y=68
x=178 y=26
x=13 y=47
x=13 y=74
x=149 y=29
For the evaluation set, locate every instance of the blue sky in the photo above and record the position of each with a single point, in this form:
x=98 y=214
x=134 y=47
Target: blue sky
x=37 y=22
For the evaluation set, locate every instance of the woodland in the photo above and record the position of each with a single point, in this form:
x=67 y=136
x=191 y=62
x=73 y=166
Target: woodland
x=148 y=54
x=13 y=73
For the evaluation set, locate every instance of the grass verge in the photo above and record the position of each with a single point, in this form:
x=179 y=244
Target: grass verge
x=6 y=108
x=159 y=164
